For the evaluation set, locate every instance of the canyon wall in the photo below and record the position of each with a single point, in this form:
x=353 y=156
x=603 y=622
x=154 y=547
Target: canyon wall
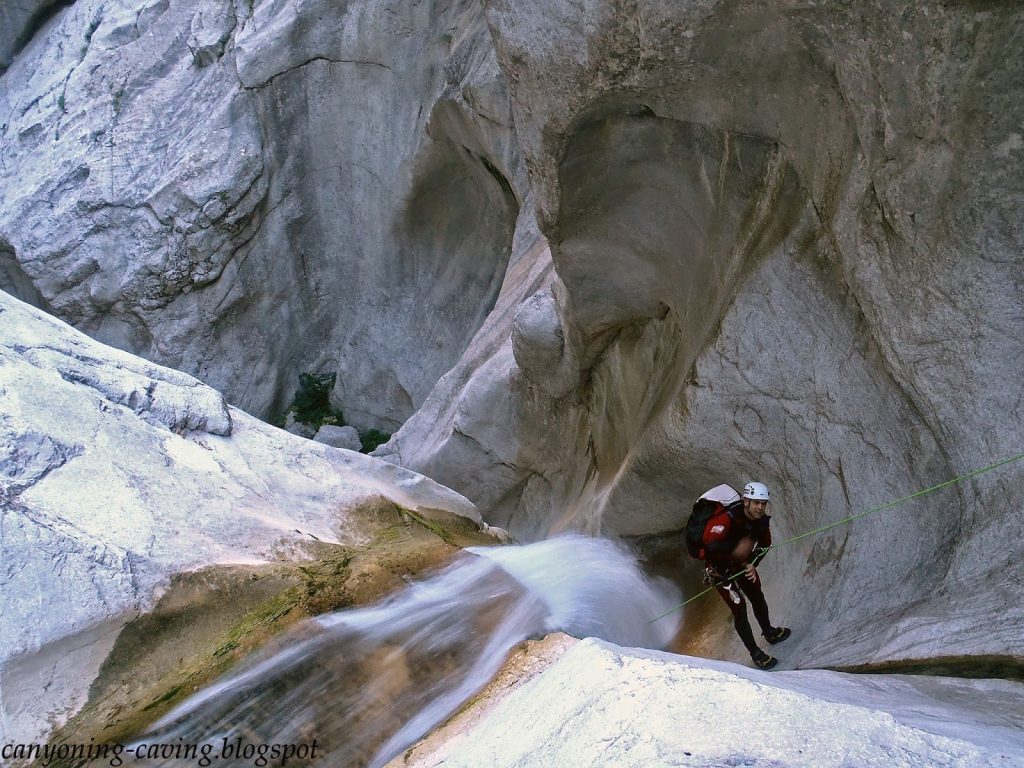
x=251 y=191
x=784 y=244
x=594 y=257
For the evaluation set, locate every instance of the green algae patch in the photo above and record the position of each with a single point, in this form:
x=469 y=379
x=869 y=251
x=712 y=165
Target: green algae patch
x=205 y=622
x=208 y=620
x=171 y=695
x=453 y=529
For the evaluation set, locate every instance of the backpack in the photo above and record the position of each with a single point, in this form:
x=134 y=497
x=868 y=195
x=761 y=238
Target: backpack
x=707 y=506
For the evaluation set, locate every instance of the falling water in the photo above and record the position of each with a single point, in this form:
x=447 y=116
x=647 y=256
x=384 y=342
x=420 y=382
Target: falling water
x=367 y=683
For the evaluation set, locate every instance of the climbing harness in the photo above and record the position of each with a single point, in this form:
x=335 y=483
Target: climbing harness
x=764 y=550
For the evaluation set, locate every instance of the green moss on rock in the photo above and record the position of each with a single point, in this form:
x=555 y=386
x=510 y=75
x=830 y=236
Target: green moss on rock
x=208 y=620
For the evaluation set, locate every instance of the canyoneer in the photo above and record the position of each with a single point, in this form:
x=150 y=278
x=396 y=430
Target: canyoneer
x=731 y=535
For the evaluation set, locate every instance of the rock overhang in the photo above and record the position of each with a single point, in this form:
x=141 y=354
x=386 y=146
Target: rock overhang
x=825 y=362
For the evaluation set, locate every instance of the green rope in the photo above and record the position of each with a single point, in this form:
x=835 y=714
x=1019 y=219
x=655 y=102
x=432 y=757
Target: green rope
x=851 y=518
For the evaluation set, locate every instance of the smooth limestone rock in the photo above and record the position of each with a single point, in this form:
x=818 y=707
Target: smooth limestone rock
x=250 y=191
x=781 y=244
x=116 y=474
x=466 y=430
x=642 y=708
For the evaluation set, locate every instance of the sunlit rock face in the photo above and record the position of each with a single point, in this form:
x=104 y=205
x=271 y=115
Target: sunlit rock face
x=643 y=708
x=117 y=474
x=779 y=244
x=247 y=191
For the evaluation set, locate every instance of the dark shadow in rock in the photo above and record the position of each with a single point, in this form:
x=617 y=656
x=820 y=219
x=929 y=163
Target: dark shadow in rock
x=454 y=240
x=16 y=282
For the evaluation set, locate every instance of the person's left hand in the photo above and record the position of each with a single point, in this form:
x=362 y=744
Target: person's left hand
x=751 y=571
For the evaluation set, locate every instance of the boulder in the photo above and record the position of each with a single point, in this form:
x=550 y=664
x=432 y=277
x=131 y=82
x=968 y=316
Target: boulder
x=296 y=427
x=339 y=437
x=117 y=475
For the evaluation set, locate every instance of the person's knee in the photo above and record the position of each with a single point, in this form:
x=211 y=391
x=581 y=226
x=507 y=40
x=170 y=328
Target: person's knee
x=739 y=611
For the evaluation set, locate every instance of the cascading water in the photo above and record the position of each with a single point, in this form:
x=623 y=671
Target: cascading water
x=367 y=683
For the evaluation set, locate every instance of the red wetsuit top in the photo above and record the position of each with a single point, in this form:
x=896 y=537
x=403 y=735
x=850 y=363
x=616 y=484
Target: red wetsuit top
x=724 y=531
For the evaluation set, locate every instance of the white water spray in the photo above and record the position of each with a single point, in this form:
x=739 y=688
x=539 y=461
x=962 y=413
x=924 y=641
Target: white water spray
x=369 y=682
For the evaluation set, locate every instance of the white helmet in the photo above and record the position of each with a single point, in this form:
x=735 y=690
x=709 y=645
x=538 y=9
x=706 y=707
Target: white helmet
x=756 y=491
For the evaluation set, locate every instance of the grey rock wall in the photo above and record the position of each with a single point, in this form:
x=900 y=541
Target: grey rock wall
x=19 y=21
x=250 y=191
x=784 y=245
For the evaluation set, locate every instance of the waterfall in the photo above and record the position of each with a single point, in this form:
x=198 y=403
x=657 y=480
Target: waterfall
x=364 y=684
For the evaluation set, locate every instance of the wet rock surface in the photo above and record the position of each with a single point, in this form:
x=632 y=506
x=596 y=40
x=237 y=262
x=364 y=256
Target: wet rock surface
x=116 y=474
x=209 y=620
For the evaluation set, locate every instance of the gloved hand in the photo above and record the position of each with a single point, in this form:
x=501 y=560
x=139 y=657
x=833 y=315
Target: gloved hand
x=758 y=555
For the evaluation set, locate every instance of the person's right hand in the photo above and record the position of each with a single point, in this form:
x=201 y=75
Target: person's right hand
x=751 y=571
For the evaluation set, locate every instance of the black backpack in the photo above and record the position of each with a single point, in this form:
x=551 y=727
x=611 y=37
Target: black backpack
x=707 y=506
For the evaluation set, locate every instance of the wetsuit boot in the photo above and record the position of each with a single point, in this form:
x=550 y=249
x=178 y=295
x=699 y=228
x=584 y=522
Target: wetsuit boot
x=776 y=634
x=762 y=660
